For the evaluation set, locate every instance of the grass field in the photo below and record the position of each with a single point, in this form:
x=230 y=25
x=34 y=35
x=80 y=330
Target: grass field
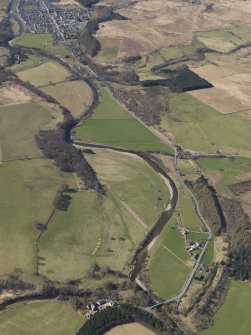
x=188 y=214
x=94 y=232
x=29 y=190
x=18 y=126
x=74 y=95
x=44 y=42
x=130 y=328
x=45 y=74
x=233 y=318
x=131 y=180
x=40 y=318
x=112 y=125
x=167 y=273
x=199 y=127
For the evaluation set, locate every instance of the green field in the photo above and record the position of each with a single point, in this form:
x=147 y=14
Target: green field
x=74 y=95
x=94 y=232
x=188 y=214
x=44 y=42
x=209 y=254
x=112 y=125
x=228 y=171
x=18 y=126
x=167 y=273
x=169 y=265
x=233 y=318
x=199 y=127
x=131 y=180
x=45 y=74
x=40 y=318
x=28 y=189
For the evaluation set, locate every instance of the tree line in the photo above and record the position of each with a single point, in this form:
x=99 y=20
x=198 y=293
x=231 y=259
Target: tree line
x=55 y=144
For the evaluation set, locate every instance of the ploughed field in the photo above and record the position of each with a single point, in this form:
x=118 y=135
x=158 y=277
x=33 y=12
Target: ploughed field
x=130 y=328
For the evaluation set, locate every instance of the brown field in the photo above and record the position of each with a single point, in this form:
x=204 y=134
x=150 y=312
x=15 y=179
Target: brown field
x=230 y=75
x=13 y=94
x=157 y=24
x=245 y=200
x=152 y=25
x=74 y=95
x=130 y=328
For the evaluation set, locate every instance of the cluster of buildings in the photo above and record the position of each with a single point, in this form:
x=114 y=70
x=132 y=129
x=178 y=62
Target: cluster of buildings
x=46 y=16
x=94 y=307
x=192 y=247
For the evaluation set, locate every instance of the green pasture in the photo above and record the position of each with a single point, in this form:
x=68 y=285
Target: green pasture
x=133 y=181
x=43 y=42
x=188 y=214
x=112 y=125
x=31 y=40
x=199 y=127
x=88 y=233
x=209 y=254
x=230 y=170
x=169 y=265
x=95 y=230
x=28 y=190
x=187 y=166
x=167 y=273
x=233 y=317
x=18 y=126
x=40 y=318
x=45 y=74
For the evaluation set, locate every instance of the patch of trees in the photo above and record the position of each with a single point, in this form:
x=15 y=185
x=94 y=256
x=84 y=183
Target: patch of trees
x=88 y=3
x=105 y=320
x=132 y=59
x=5 y=75
x=240 y=188
x=238 y=227
x=147 y=103
x=56 y=145
x=183 y=79
x=207 y=283
x=209 y=204
x=15 y=282
x=89 y=44
x=6 y=32
x=62 y=200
